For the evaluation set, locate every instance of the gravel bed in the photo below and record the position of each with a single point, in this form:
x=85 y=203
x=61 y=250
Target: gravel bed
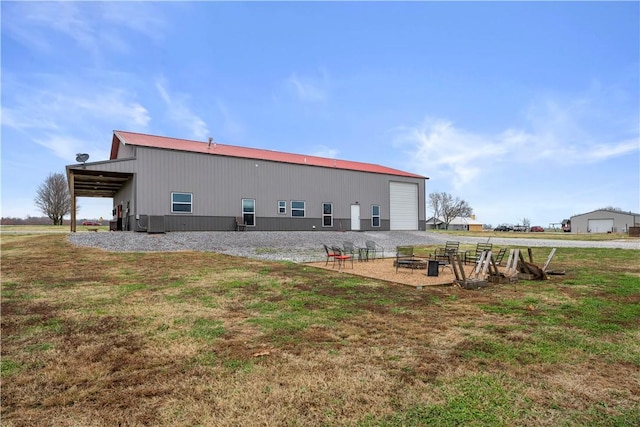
x=296 y=246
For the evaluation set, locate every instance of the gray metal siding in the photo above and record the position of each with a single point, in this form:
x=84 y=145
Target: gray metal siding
x=124 y=166
x=621 y=221
x=219 y=183
x=206 y=223
x=126 y=151
x=127 y=194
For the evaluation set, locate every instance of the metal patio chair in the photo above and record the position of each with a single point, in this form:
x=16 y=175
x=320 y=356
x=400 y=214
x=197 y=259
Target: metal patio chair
x=373 y=249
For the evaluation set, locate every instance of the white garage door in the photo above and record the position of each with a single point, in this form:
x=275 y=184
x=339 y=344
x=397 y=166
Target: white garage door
x=403 y=211
x=600 y=225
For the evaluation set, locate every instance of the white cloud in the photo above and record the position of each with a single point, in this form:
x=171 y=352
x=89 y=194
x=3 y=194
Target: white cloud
x=569 y=133
x=447 y=149
x=141 y=17
x=309 y=89
x=34 y=23
x=92 y=26
x=181 y=114
x=68 y=118
x=66 y=147
x=67 y=107
x=17 y=119
x=604 y=151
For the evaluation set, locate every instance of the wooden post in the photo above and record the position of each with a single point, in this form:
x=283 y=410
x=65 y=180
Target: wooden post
x=73 y=201
x=546 y=264
x=458 y=269
x=512 y=263
x=493 y=268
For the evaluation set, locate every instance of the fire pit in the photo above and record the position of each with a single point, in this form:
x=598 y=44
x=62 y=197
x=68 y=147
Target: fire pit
x=420 y=264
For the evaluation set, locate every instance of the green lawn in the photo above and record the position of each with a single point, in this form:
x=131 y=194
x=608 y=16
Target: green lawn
x=193 y=338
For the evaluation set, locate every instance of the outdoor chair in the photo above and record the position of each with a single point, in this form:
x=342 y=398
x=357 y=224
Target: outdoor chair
x=373 y=248
x=349 y=249
x=444 y=254
x=341 y=257
x=240 y=224
x=331 y=255
x=474 y=256
x=500 y=256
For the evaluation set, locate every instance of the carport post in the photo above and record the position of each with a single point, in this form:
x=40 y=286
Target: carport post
x=73 y=202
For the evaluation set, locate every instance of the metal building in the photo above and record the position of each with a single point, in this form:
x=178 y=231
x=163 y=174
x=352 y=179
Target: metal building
x=604 y=221
x=163 y=184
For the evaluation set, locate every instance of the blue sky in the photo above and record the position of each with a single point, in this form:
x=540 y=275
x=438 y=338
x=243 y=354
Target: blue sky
x=524 y=110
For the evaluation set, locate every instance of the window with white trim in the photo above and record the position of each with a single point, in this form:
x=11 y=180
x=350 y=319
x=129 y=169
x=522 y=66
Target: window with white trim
x=282 y=207
x=375 y=215
x=327 y=214
x=297 y=208
x=181 y=202
x=249 y=212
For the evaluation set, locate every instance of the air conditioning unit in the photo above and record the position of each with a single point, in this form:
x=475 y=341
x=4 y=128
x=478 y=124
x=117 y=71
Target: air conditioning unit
x=155 y=224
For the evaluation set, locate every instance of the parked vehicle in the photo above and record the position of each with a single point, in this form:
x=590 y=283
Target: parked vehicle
x=503 y=228
x=566 y=225
x=536 y=229
x=91 y=223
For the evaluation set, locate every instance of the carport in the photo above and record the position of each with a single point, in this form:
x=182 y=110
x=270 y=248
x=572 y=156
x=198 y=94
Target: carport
x=86 y=180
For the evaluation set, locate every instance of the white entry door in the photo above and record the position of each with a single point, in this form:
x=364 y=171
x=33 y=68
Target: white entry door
x=355 y=217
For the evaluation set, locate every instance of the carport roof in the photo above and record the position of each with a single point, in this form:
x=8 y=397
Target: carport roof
x=95 y=183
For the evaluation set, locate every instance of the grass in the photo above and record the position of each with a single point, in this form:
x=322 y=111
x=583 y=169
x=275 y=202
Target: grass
x=40 y=229
x=499 y=400
x=97 y=338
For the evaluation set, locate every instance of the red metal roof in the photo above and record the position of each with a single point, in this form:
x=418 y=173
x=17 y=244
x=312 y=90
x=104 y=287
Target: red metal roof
x=215 y=148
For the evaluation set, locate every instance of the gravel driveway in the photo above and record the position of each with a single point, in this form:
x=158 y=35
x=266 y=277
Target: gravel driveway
x=299 y=246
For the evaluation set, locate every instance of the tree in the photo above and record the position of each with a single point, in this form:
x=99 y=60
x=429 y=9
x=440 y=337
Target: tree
x=53 y=198
x=434 y=202
x=526 y=222
x=447 y=208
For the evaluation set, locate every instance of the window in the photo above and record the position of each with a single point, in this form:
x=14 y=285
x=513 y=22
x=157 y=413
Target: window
x=297 y=208
x=181 y=202
x=249 y=212
x=375 y=215
x=282 y=207
x=327 y=214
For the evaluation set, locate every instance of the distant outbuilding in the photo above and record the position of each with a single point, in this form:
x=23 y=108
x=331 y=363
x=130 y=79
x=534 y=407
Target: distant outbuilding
x=458 y=223
x=604 y=221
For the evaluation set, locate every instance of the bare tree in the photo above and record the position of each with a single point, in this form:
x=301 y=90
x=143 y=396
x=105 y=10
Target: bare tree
x=435 y=203
x=526 y=222
x=53 y=198
x=447 y=208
